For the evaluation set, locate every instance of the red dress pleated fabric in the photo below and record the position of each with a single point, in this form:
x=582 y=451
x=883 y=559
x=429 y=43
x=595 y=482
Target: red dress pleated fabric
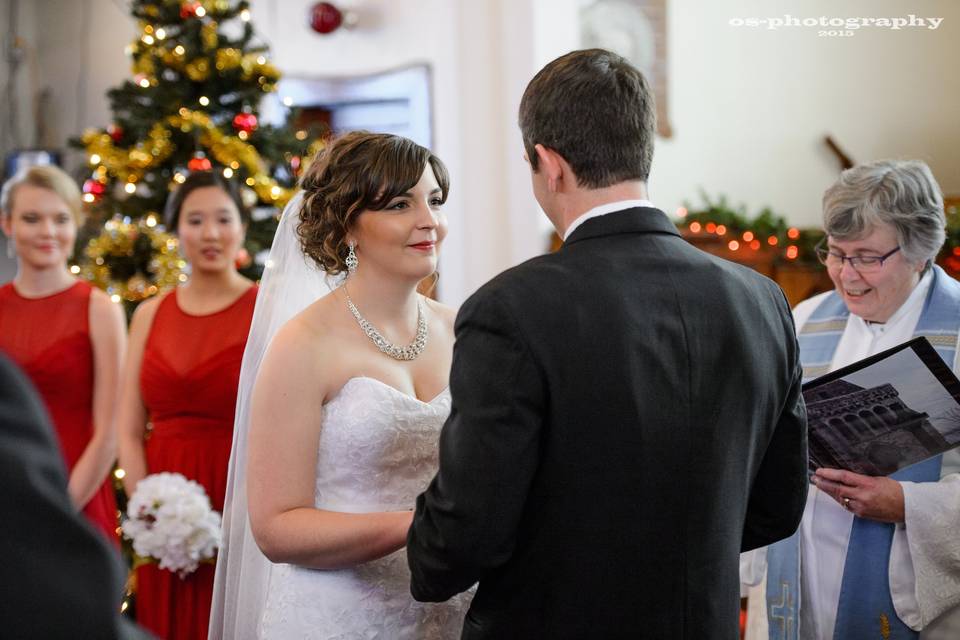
x=49 y=338
x=188 y=381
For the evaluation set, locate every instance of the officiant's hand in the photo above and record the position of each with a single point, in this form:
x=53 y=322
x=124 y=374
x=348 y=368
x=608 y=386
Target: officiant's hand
x=873 y=497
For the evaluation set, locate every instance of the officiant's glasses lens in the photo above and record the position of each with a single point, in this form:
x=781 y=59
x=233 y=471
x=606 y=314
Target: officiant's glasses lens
x=863 y=264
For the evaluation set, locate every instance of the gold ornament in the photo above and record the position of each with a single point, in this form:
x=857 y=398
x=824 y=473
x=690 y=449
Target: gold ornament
x=143 y=63
x=254 y=65
x=173 y=57
x=198 y=70
x=216 y=6
x=209 y=36
x=228 y=58
x=313 y=151
x=247 y=64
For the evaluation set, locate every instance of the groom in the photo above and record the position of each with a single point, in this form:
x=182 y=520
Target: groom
x=626 y=411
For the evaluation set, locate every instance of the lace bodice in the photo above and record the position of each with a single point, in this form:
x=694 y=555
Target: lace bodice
x=378 y=447
x=377 y=452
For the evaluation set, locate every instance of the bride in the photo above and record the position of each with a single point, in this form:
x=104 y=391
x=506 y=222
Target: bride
x=342 y=396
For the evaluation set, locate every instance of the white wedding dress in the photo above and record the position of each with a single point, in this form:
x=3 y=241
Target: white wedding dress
x=377 y=452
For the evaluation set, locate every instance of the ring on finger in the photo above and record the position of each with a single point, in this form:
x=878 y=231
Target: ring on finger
x=846 y=503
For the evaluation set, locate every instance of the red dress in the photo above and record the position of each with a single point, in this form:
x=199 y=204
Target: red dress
x=49 y=338
x=188 y=381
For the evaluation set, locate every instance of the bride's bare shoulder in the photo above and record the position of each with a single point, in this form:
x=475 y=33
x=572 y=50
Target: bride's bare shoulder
x=308 y=337
x=446 y=314
x=308 y=353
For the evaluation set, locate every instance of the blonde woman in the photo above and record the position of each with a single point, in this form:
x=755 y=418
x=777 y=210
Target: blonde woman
x=65 y=334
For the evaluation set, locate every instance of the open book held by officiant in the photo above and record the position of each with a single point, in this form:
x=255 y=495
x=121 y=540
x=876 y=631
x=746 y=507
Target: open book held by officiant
x=885 y=412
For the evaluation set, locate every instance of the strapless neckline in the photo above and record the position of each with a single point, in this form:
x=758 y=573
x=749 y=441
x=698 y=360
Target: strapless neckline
x=380 y=383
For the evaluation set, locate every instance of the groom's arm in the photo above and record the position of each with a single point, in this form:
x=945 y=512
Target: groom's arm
x=467 y=519
x=779 y=492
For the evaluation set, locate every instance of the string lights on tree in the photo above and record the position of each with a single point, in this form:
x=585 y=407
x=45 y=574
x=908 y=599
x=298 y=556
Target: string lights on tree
x=198 y=74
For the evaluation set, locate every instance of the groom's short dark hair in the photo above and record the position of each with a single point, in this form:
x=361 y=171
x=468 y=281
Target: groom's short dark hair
x=597 y=111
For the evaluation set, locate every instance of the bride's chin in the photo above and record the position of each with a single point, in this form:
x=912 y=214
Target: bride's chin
x=426 y=271
x=418 y=278
x=413 y=278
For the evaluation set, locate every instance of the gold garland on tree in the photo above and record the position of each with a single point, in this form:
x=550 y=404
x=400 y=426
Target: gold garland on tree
x=129 y=164
x=133 y=261
x=148 y=50
x=228 y=150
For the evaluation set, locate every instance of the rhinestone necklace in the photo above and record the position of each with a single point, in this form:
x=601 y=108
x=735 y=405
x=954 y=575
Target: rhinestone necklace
x=409 y=352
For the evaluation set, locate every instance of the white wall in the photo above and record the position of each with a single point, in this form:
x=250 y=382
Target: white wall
x=501 y=45
x=17 y=126
x=482 y=55
x=24 y=85
x=389 y=35
x=77 y=52
x=749 y=107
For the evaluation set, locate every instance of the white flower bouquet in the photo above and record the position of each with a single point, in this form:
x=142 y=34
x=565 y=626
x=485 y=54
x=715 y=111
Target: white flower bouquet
x=170 y=520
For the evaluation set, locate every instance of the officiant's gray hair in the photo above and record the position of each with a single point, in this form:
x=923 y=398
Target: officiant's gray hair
x=900 y=193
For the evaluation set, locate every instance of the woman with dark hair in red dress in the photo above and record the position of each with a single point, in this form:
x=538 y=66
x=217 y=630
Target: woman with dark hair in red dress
x=181 y=377
x=66 y=335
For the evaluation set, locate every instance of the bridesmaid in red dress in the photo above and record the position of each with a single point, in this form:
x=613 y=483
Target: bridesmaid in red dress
x=66 y=335
x=181 y=375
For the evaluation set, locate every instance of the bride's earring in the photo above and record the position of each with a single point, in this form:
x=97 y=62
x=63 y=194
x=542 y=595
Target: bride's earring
x=11 y=250
x=351 y=260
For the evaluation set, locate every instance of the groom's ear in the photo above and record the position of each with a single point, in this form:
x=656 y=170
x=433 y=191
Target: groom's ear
x=552 y=165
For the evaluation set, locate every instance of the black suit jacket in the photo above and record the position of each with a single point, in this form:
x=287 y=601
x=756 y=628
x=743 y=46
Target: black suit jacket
x=58 y=577
x=626 y=419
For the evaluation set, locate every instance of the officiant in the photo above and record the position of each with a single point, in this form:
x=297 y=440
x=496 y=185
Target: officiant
x=875 y=557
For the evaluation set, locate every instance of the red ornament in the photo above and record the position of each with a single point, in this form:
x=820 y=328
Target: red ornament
x=295 y=163
x=189 y=9
x=246 y=122
x=115 y=132
x=243 y=258
x=325 y=18
x=94 y=188
x=199 y=162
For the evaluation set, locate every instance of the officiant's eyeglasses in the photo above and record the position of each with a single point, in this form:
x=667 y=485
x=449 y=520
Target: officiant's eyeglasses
x=863 y=264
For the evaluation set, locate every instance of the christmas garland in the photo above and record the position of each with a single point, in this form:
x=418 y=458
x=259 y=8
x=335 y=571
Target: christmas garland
x=131 y=165
x=764 y=232
x=132 y=261
x=950 y=256
x=743 y=233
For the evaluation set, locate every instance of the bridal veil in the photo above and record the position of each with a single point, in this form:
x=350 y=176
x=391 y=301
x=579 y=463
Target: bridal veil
x=290 y=283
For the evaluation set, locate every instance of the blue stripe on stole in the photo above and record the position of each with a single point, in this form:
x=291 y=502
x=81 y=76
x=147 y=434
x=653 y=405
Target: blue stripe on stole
x=865 y=609
x=820 y=334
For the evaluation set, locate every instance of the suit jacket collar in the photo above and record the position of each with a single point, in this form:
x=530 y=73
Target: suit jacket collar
x=635 y=220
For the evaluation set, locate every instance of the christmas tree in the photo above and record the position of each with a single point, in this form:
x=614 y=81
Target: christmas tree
x=192 y=105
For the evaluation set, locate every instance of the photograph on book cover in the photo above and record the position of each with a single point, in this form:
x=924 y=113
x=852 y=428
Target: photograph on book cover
x=894 y=412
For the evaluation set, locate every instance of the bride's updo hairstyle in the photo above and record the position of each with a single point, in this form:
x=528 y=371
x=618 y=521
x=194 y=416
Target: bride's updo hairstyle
x=359 y=171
